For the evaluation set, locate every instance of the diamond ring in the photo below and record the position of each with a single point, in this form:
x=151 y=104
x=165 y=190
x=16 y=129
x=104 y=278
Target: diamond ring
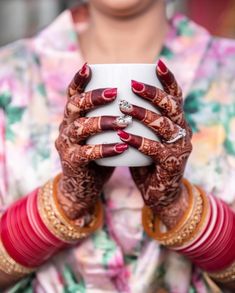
x=181 y=133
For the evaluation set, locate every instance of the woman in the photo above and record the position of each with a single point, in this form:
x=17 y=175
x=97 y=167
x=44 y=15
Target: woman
x=66 y=210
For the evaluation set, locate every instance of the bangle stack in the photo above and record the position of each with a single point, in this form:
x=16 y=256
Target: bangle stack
x=188 y=227
x=55 y=219
x=35 y=227
x=205 y=234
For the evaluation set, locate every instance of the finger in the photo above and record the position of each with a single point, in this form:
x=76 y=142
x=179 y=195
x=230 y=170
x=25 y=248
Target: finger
x=80 y=80
x=78 y=105
x=84 y=127
x=168 y=81
x=146 y=146
x=161 y=125
x=167 y=104
x=86 y=153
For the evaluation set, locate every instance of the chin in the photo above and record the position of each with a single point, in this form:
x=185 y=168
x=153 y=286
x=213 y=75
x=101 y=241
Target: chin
x=121 y=7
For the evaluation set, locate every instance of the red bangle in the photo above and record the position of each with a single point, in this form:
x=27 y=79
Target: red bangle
x=28 y=229
x=24 y=236
x=15 y=234
x=39 y=227
x=214 y=249
x=222 y=256
x=33 y=229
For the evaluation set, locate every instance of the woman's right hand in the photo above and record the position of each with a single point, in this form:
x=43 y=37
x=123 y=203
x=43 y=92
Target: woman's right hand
x=82 y=179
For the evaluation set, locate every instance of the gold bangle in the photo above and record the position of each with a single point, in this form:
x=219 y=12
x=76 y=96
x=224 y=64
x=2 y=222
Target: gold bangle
x=211 y=284
x=187 y=228
x=10 y=267
x=55 y=219
x=204 y=217
x=224 y=276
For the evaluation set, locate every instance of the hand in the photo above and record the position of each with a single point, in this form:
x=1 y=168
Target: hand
x=160 y=183
x=82 y=180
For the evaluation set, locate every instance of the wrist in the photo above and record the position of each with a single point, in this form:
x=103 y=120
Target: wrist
x=190 y=225
x=75 y=208
x=172 y=213
x=56 y=219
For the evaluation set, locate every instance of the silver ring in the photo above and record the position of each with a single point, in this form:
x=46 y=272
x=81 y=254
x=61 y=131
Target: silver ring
x=181 y=133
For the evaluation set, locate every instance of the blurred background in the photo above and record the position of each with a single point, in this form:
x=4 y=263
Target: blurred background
x=24 y=18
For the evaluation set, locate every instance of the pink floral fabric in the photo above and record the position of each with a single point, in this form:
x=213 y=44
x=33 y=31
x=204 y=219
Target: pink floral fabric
x=34 y=74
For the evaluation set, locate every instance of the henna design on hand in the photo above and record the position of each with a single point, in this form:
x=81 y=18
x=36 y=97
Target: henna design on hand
x=170 y=106
x=171 y=215
x=161 y=183
x=168 y=81
x=162 y=125
x=82 y=179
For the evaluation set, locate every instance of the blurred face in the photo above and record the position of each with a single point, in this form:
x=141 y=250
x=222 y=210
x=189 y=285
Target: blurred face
x=121 y=8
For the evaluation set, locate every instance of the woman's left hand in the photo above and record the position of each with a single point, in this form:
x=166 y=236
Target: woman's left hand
x=160 y=183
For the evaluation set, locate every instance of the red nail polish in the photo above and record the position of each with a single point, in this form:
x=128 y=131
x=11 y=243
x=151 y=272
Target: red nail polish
x=162 y=67
x=110 y=93
x=123 y=135
x=120 y=148
x=137 y=85
x=83 y=69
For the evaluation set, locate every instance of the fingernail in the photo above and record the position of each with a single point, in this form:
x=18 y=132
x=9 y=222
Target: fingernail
x=125 y=106
x=124 y=120
x=162 y=67
x=123 y=135
x=137 y=86
x=120 y=148
x=83 y=69
x=110 y=93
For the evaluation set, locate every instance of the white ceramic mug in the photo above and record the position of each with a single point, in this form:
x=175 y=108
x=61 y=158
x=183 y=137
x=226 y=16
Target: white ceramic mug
x=120 y=76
